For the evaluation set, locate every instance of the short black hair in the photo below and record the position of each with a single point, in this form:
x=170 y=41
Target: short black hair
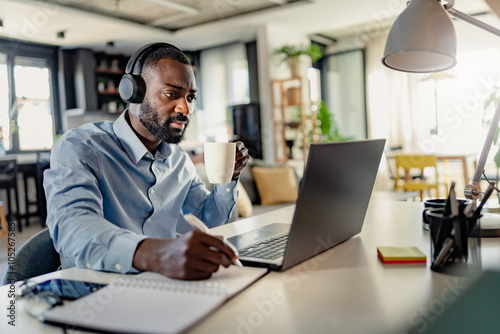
x=151 y=57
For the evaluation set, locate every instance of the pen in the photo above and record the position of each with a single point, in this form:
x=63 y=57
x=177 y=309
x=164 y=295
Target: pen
x=447 y=207
x=444 y=254
x=457 y=226
x=453 y=201
x=490 y=189
x=469 y=209
x=200 y=226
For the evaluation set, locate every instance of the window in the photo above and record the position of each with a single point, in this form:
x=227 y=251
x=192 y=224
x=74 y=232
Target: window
x=4 y=102
x=28 y=109
x=34 y=111
x=459 y=100
x=344 y=91
x=224 y=82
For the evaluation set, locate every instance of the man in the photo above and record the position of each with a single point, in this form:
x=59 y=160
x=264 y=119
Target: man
x=116 y=191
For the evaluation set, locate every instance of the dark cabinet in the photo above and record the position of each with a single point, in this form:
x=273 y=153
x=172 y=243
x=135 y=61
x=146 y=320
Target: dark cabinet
x=109 y=71
x=91 y=82
x=79 y=80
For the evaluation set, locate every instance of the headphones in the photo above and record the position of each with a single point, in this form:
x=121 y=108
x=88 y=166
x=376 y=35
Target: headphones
x=132 y=87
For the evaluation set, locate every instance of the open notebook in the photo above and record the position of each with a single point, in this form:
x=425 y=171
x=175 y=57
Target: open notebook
x=152 y=303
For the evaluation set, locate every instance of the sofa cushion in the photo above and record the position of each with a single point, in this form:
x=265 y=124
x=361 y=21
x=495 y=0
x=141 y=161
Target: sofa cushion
x=243 y=202
x=248 y=183
x=276 y=185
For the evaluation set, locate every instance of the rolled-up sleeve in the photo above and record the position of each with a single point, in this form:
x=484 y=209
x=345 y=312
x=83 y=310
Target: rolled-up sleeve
x=76 y=220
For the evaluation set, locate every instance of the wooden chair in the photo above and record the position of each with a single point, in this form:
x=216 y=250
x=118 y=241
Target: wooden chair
x=8 y=181
x=389 y=153
x=409 y=163
x=4 y=233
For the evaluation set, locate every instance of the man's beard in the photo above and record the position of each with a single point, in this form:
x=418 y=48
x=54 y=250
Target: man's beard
x=149 y=118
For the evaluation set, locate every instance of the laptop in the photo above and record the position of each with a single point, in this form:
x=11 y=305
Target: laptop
x=333 y=198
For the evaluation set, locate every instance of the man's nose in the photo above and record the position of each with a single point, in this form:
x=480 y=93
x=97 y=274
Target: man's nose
x=183 y=107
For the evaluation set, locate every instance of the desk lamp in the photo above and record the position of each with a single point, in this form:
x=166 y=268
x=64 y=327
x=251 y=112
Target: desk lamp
x=423 y=40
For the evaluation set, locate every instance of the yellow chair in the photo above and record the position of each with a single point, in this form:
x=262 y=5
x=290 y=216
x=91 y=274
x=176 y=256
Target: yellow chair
x=4 y=233
x=412 y=162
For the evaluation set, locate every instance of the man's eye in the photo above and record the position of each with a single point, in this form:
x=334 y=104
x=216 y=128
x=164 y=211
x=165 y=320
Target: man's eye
x=170 y=94
x=191 y=98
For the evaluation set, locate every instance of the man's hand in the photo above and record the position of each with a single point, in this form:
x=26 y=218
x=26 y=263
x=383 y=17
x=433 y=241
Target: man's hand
x=241 y=159
x=195 y=255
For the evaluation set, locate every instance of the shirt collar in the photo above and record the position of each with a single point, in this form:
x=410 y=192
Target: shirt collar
x=132 y=144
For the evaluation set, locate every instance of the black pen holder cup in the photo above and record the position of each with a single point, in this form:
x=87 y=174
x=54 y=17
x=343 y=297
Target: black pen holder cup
x=455 y=249
x=440 y=203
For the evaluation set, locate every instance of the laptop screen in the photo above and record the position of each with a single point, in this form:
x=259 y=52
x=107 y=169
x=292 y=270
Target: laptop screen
x=333 y=197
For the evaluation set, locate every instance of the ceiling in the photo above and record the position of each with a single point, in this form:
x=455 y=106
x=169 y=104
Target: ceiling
x=191 y=24
x=172 y=15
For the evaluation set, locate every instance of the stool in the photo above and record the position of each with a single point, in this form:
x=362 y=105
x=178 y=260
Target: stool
x=8 y=181
x=35 y=172
x=4 y=233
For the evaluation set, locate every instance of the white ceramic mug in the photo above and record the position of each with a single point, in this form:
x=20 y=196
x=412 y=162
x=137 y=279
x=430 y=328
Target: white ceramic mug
x=219 y=161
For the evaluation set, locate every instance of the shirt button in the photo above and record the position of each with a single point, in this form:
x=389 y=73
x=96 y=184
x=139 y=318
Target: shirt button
x=148 y=220
x=228 y=190
x=88 y=265
x=118 y=266
x=151 y=191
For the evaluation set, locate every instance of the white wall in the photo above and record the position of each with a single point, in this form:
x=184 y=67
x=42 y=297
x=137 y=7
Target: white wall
x=269 y=38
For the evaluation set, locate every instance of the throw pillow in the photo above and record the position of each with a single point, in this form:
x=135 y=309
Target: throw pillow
x=243 y=202
x=276 y=185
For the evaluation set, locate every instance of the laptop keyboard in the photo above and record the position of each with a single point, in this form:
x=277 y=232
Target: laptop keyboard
x=270 y=249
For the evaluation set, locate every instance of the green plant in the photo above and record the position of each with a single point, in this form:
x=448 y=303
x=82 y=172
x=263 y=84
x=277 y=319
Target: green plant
x=314 y=51
x=13 y=114
x=490 y=104
x=328 y=126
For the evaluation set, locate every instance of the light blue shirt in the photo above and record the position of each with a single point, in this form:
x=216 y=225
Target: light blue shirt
x=106 y=192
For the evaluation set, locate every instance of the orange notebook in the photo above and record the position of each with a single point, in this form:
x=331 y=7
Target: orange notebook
x=401 y=255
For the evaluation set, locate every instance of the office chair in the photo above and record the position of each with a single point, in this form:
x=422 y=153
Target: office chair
x=36 y=257
x=8 y=181
x=419 y=162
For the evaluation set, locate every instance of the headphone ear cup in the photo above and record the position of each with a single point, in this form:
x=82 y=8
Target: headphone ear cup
x=132 y=88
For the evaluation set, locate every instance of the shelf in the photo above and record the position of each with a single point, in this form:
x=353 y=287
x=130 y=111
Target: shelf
x=293 y=125
x=293 y=117
x=109 y=71
x=100 y=70
x=112 y=93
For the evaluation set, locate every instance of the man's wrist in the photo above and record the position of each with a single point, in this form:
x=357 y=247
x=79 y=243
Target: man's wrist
x=142 y=255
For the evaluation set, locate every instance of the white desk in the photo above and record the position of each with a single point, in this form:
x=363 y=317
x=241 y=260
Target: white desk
x=343 y=290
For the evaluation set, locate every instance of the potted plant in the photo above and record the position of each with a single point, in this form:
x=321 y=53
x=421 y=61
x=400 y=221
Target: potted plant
x=2 y=148
x=291 y=54
x=328 y=125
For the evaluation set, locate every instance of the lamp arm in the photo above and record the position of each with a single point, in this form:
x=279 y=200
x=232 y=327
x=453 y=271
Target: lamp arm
x=475 y=22
x=472 y=190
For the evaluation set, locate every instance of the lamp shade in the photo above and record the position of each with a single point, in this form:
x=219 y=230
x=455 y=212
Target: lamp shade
x=422 y=39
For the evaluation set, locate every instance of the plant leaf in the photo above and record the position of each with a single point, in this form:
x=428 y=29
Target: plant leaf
x=497 y=159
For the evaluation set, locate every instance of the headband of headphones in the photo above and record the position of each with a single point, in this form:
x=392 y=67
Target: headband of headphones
x=133 y=60
x=132 y=87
